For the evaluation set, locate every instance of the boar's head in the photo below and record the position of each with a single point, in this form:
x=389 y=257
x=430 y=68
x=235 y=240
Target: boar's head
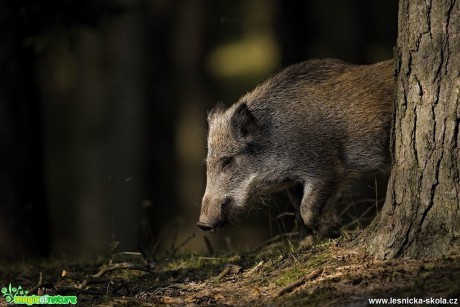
x=232 y=165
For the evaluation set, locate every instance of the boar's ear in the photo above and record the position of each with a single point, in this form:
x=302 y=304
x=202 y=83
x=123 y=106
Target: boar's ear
x=217 y=110
x=243 y=121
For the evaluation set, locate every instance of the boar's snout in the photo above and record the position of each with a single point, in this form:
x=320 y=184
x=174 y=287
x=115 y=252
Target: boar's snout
x=214 y=214
x=205 y=226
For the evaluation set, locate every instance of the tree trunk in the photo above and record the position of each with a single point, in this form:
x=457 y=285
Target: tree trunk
x=422 y=210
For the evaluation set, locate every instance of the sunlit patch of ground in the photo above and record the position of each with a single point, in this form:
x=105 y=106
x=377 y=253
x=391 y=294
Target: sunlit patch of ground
x=277 y=275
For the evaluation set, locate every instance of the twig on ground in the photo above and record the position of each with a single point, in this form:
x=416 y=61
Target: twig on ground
x=313 y=275
x=255 y=268
x=229 y=268
x=121 y=266
x=38 y=285
x=209 y=258
x=223 y=273
x=97 y=278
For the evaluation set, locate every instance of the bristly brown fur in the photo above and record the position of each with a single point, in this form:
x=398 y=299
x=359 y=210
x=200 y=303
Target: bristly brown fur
x=315 y=124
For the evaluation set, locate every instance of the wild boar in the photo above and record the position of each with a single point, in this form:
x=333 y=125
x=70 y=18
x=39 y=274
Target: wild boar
x=306 y=130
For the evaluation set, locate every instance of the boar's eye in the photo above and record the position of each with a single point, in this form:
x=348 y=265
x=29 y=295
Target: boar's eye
x=226 y=162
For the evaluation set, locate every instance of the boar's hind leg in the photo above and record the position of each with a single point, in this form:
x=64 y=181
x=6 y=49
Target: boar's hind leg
x=295 y=194
x=315 y=196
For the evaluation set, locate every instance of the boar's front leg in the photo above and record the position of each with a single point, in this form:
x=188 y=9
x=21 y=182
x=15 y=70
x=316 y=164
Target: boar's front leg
x=295 y=195
x=316 y=193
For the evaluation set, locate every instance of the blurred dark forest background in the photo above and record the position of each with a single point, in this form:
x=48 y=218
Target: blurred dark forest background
x=103 y=112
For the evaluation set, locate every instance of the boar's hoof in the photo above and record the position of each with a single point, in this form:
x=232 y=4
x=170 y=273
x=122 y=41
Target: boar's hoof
x=205 y=227
x=307 y=242
x=330 y=231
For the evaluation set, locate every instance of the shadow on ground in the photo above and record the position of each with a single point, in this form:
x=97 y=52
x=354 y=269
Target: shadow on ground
x=277 y=274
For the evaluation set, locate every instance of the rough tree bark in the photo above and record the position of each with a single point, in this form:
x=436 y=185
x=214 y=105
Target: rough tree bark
x=421 y=216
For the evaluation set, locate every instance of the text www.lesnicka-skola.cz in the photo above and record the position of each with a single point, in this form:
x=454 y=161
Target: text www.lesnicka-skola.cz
x=413 y=301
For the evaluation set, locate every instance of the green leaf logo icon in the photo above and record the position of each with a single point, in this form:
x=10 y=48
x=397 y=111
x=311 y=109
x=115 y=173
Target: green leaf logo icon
x=11 y=292
x=8 y=294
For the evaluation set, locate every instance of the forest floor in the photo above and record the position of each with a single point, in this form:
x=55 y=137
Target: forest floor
x=325 y=274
